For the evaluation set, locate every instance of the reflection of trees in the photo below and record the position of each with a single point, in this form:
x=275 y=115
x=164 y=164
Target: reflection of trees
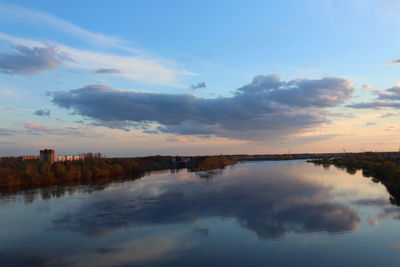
x=383 y=169
x=17 y=174
x=30 y=196
x=351 y=171
x=209 y=174
x=269 y=207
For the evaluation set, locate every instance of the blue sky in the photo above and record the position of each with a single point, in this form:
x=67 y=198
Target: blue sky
x=144 y=56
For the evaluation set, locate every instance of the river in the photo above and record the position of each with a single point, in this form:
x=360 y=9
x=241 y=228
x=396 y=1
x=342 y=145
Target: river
x=282 y=213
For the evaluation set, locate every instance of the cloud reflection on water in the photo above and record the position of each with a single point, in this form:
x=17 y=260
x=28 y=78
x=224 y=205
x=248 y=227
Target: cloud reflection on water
x=266 y=201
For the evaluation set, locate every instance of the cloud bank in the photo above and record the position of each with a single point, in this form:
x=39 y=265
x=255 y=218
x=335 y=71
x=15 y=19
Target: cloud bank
x=265 y=107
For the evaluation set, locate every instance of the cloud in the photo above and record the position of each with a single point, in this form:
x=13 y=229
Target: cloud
x=326 y=92
x=198 y=85
x=150 y=248
x=26 y=60
x=122 y=125
x=366 y=87
x=107 y=71
x=374 y=105
x=265 y=107
x=7 y=132
x=389 y=98
x=373 y=221
x=391 y=94
x=271 y=208
x=341 y=115
x=38 y=129
x=42 y=112
x=140 y=68
x=393 y=62
x=45 y=20
x=387 y=115
x=296 y=140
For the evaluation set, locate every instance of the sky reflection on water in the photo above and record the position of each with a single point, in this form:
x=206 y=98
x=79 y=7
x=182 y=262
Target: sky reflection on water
x=251 y=214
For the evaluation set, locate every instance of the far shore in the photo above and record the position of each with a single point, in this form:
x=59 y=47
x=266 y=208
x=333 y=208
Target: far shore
x=19 y=173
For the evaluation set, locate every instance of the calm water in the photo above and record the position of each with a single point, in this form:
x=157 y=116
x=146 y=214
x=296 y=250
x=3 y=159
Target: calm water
x=251 y=214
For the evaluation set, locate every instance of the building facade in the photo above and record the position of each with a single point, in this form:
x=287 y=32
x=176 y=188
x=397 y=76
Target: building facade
x=47 y=155
x=70 y=158
x=29 y=157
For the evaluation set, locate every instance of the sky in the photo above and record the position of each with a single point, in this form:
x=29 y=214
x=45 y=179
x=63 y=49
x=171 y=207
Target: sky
x=138 y=78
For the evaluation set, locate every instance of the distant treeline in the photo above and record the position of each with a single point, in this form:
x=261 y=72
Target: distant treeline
x=381 y=167
x=18 y=174
x=311 y=155
x=212 y=162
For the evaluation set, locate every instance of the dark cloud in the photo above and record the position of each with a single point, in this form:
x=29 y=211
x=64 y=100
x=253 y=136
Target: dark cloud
x=390 y=94
x=42 y=112
x=26 y=60
x=265 y=107
x=375 y=105
x=107 y=71
x=393 y=62
x=380 y=202
x=198 y=85
x=326 y=92
x=122 y=125
x=389 y=98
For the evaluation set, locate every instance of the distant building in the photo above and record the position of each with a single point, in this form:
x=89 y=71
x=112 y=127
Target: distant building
x=47 y=155
x=29 y=157
x=180 y=162
x=70 y=158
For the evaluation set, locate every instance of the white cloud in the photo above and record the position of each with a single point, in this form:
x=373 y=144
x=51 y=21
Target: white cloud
x=366 y=87
x=31 y=16
x=138 y=68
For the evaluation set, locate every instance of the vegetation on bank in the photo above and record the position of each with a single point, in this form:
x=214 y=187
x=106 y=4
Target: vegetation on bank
x=381 y=167
x=213 y=162
x=18 y=174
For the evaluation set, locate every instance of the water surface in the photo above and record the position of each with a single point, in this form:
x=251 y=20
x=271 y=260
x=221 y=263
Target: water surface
x=288 y=213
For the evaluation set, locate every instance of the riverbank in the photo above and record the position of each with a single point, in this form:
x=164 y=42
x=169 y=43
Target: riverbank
x=17 y=174
x=381 y=167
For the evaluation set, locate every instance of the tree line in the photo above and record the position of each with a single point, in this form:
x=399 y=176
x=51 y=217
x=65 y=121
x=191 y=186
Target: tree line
x=381 y=167
x=18 y=174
